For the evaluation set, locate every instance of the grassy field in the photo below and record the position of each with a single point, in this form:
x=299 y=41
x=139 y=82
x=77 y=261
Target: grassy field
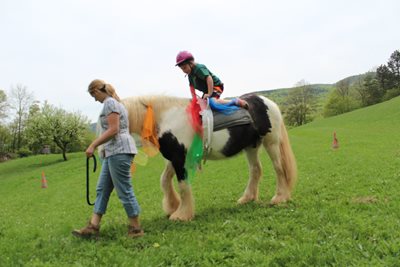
x=344 y=212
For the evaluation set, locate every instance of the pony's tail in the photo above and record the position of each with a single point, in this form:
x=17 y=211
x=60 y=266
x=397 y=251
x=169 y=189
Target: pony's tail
x=288 y=160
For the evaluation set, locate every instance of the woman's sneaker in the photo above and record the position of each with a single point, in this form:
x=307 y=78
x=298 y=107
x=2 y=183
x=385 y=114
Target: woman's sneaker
x=135 y=232
x=88 y=231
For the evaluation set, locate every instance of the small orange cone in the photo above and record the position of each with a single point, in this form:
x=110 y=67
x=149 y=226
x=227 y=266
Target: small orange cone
x=44 y=181
x=335 y=144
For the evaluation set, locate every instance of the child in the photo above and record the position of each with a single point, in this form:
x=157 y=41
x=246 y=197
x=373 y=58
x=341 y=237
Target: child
x=202 y=79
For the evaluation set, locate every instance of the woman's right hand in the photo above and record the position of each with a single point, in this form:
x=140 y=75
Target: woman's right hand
x=90 y=151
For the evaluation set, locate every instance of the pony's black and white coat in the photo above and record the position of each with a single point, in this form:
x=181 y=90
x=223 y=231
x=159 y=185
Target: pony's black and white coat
x=175 y=136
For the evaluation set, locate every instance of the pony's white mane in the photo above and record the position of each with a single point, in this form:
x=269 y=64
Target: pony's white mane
x=137 y=107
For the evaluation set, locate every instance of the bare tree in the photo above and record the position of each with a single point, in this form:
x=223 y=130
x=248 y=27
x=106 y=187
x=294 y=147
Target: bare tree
x=361 y=90
x=20 y=101
x=343 y=88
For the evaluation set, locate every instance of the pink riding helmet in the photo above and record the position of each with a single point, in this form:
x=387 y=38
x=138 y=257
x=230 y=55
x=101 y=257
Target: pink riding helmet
x=183 y=56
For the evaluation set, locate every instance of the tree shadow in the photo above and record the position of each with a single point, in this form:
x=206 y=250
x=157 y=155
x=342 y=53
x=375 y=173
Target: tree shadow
x=45 y=164
x=212 y=215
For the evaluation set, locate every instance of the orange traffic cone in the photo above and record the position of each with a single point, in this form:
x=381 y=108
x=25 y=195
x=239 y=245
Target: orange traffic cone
x=335 y=144
x=44 y=181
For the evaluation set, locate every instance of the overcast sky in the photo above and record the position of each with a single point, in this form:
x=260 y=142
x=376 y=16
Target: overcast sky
x=57 y=47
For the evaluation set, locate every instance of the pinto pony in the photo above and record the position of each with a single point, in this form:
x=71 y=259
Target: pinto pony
x=175 y=135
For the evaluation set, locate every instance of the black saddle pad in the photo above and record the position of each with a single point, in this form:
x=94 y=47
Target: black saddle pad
x=239 y=117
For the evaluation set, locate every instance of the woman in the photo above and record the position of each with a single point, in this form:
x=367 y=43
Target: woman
x=118 y=152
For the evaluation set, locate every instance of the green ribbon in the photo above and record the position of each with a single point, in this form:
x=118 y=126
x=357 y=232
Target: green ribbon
x=194 y=156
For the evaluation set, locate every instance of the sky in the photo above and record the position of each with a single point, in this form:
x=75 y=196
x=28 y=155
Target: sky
x=55 y=48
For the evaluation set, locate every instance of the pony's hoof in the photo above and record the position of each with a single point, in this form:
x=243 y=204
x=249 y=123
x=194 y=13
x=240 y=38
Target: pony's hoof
x=181 y=217
x=277 y=199
x=244 y=200
x=169 y=212
x=170 y=208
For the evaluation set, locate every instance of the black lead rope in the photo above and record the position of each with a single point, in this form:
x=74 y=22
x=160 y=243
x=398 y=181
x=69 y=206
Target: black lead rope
x=87 y=178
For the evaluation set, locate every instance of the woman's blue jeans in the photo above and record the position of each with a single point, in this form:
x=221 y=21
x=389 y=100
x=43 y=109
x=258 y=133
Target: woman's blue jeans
x=115 y=172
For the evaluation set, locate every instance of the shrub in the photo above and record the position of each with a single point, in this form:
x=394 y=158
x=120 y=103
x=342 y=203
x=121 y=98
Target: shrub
x=391 y=93
x=24 y=152
x=4 y=156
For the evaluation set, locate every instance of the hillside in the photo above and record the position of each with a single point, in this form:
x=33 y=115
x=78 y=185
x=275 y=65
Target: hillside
x=279 y=95
x=321 y=91
x=371 y=131
x=351 y=80
x=367 y=163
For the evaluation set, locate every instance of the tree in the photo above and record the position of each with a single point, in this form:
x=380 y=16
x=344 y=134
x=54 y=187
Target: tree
x=338 y=104
x=3 y=105
x=340 y=100
x=5 y=140
x=301 y=103
x=360 y=90
x=389 y=76
x=374 y=92
x=20 y=100
x=369 y=90
x=385 y=77
x=343 y=88
x=34 y=109
x=56 y=125
x=394 y=66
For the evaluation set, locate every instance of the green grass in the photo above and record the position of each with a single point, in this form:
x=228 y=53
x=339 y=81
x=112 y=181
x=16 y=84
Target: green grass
x=345 y=208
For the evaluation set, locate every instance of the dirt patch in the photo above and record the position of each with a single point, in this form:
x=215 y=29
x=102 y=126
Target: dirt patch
x=364 y=200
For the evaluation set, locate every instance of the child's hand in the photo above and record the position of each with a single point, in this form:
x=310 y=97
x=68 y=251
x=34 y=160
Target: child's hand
x=205 y=96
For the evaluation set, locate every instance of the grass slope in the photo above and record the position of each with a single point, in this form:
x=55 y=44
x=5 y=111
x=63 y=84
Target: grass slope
x=345 y=208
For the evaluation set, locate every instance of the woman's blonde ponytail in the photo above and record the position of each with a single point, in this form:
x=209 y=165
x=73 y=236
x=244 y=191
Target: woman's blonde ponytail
x=110 y=90
x=100 y=85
